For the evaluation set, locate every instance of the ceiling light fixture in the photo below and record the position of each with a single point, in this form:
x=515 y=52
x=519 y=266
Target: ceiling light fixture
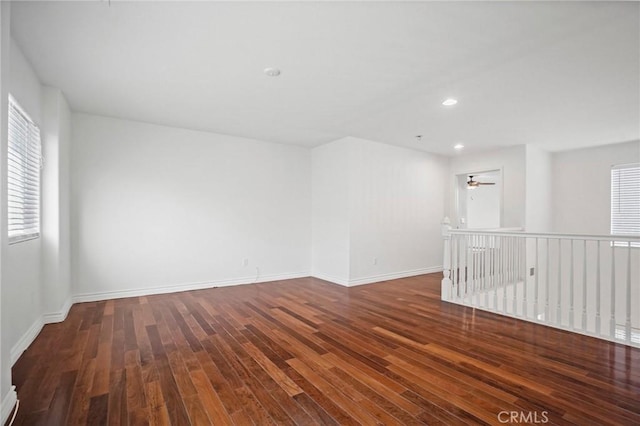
x=272 y=72
x=458 y=147
x=449 y=102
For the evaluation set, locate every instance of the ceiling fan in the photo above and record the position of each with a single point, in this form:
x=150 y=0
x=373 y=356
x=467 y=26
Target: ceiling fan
x=471 y=184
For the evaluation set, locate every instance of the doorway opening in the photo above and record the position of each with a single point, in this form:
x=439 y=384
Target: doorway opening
x=479 y=200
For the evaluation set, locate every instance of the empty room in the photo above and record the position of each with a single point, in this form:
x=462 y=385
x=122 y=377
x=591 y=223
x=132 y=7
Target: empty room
x=319 y=213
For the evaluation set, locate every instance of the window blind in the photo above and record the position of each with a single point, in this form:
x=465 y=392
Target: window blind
x=24 y=162
x=625 y=201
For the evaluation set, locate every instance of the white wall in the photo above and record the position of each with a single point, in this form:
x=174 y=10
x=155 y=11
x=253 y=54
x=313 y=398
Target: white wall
x=377 y=211
x=156 y=207
x=56 y=141
x=512 y=162
x=539 y=185
x=397 y=198
x=21 y=290
x=7 y=395
x=582 y=186
x=330 y=212
x=24 y=84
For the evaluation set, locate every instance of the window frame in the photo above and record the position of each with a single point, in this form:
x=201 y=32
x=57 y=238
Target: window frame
x=31 y=157
x=615 y=195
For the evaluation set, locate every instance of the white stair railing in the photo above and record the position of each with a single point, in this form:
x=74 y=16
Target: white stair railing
x=588 y=284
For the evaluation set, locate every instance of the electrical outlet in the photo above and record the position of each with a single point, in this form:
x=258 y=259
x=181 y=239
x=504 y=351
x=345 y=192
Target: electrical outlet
x=245 y=262
x=531 y=271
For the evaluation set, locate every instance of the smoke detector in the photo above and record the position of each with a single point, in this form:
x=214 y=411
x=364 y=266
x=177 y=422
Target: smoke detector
x=272 y=72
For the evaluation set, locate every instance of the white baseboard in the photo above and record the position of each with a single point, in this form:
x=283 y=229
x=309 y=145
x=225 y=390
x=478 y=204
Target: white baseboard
x=27 y=338
x=7 y=404
x=394 y=275
x=378 y=278
x=30 y=335
x=58 y=316
x=331 y=279
x=148 y=291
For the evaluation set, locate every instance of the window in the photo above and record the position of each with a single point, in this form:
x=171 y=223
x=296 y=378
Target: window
x=625 y=202
x=24 y=163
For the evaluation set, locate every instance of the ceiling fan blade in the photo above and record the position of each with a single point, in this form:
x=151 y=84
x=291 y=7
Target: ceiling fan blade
x=486 y=183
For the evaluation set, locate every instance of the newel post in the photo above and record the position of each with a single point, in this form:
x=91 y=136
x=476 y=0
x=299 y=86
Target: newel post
x=446 y=261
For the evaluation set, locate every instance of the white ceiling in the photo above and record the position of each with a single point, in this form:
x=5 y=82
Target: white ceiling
x=557 y=74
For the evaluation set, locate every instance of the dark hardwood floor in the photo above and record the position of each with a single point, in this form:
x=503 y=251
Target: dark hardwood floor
x=308 y=352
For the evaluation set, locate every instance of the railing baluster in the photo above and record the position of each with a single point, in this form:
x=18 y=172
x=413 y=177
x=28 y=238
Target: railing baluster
x=506 y=281
x=547 y=311
x=492 y=264
x=460 y=260
x=516 y=261
x=457 y=263
x=463 y=267
x=558 y=308
x=446 y=284
x=584 y=285
x=468 y=277
x=525 y=276
x=473 y=269
x=598 y=289
x=487 y=255
x=474 y=253
x=496 y=261
x=480 y=269
x=454 y=265
x=459 y=269
x=612 y=315
x=571 y=287
x=627 y=323
x=511 y=261
x=452 y=260
x=536 y=272
x=497 y=278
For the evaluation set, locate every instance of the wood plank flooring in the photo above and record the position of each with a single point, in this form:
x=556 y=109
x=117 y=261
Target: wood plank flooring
x=306 y=351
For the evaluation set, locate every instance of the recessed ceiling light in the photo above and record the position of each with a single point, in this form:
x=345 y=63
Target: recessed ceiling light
x=418 y=138
x=449 y=102
x=458 y=147
x=272 y=72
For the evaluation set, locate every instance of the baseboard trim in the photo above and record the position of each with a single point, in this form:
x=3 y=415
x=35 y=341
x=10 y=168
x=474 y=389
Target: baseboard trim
x=378 y=278
x=8 y=403
x=331 y=279
x=394 y=276
x=30 y=335
x=58 y=316
x=27 y=338
x=119 y=294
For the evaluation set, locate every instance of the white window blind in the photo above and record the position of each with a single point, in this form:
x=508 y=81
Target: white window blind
x=24 y=162
x=625 y=201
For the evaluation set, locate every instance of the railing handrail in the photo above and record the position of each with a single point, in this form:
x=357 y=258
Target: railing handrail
x=552 y=235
